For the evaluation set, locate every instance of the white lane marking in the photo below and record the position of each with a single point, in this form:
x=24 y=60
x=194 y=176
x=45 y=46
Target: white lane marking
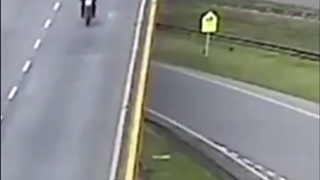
x=26 y=66
x=47 y=23
x=271 y=173
x=120 y=128
x=247 y=161
x=257 y=166
x=234 y=155
x=249 y=93
x=56 y=6
x=28 y=63
x=222 y=149
x=37 y=44
x=208 y=142
x=13 y=92
x=230 y=153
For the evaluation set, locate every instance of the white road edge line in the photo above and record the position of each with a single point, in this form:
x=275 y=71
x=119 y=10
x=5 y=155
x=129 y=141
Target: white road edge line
x=249 y=93
x=1 y=118
x=13 y=92
x=208 y=142
x=37 y=44
x=56 y=6
x=47 y=23
x=26 y=66
x=120 y=127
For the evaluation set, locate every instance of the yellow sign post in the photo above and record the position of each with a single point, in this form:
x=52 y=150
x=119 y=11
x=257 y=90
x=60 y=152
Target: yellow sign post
x=209 y=24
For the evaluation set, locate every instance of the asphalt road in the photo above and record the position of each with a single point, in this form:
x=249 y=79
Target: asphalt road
x=63 y=120
x=277 y=136
x=21 y=23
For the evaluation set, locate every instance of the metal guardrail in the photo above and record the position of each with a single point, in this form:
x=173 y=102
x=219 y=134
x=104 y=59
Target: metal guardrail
x=301 y=53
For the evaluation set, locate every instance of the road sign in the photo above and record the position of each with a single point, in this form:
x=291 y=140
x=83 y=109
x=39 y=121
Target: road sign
x=209 y=22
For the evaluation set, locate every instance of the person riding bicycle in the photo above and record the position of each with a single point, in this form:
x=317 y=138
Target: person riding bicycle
x=93 y=7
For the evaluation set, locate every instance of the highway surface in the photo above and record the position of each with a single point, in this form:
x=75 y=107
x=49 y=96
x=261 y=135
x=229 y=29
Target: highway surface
x=277 y=134
x=69 y=87
x=21 y=24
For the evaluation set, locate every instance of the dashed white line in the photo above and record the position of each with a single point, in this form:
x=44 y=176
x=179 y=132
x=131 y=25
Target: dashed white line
x=224 y=150
x=258 y=167
x=270 y=173
x=56 y=6
x=26 y=66
x=37 y=44
x=28 y=63
x=13 y=92
x=214 y=145
x=234 y=155
x=247 y=161
x=47 y=23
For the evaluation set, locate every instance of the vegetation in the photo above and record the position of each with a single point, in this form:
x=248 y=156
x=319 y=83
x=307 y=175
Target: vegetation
x=276 y=71
x=268 y=69
x=180 y=166
x=295 y=33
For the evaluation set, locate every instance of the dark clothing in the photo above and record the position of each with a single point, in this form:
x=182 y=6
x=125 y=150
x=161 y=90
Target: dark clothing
x=94 y=7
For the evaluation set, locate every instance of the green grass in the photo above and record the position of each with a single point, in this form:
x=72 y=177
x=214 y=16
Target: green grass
x=179 y=167
x=296 y=33
x=272 y=70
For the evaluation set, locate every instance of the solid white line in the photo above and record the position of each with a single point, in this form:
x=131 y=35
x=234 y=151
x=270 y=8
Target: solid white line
x=13 y=92
x=208 y=142
x=47 y=23
x=56 y=6
x=37 y=44
x=26 y=66
x=120 y=128
x=249 y=93
x=1 y=118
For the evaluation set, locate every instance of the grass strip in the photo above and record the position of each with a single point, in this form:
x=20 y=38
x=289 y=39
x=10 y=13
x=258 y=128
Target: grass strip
x=275 y=71
x=180 y=166
x=290 y=32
